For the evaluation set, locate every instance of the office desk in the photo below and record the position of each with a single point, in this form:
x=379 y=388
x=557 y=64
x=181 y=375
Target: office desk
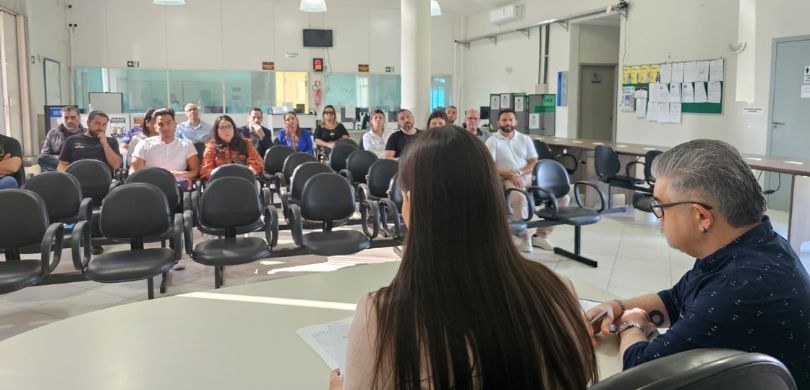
x=798 y=169
x=241 y=337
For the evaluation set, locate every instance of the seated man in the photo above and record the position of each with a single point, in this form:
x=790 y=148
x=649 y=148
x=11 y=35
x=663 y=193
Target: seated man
x=399 y=140
x=10 y=163
x=55 y=139
x=92 y=144
x=260 y=136
x=166 y=151
x=472 y=118
x=194 y=129
x=747 y=290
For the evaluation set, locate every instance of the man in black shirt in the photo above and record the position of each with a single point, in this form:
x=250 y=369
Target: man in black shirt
x=260 y=136
x=10 y=163
x=397 y=142
x=92 y=144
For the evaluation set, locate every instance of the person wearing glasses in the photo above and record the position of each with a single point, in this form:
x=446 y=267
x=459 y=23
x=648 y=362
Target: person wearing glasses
x=472 y=118
x=227 y=147
x=194 y=129
x=747 y=290
x=329 y=131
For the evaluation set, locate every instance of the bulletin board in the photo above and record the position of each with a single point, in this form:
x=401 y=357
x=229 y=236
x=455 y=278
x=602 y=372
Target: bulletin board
x=688 y=86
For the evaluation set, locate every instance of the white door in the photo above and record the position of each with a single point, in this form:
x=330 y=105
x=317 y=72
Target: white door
x=596 y=101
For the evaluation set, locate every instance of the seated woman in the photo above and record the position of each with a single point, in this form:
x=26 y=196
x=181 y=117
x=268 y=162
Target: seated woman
x=436 y=119
x=226 y=148
x=465 y=310
x=329 y=131
x=293 y=135
x=375 y=139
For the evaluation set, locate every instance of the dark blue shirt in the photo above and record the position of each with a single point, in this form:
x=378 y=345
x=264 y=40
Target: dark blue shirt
x=751 y=295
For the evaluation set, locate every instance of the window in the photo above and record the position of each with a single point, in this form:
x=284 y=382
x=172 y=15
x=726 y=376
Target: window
x=440 y=92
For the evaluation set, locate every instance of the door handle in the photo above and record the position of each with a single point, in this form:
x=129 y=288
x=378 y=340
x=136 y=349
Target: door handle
x=778 y=123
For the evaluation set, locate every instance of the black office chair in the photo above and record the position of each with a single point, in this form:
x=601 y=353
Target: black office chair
x=378 y=180
x=239 y=170
x=643 y=198
x=179 y=201
x=295 y=190
x=390 y=210
x=24 y=205
x=229 y=204
x=704 y=369
x=290 y=163
x=63 y=198
x=94 y=177
x=607 y=166
x=337 y=159
x=569 y=161
x=137 y=213
x=357 y=166
x=552 y=182
x=344 y=140
x=273 y=164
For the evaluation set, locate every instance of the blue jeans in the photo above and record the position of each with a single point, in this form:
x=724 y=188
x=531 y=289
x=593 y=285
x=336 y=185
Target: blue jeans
x=7 y=182
x=47 y=162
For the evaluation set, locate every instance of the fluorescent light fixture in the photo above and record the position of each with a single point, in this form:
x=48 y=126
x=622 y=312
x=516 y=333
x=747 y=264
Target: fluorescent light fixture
x=313 y=6
x=169 y=2
x=435 y=9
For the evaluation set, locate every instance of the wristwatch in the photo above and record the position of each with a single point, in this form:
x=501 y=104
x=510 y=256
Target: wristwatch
x=627 y=325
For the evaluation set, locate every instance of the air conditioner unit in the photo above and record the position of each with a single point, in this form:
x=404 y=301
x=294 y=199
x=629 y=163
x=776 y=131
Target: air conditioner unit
x=506 y=14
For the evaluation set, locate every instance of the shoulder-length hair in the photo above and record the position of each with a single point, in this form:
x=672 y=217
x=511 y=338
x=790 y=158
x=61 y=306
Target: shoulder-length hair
x=237 y=143
x=465 y=306
x=297 y=130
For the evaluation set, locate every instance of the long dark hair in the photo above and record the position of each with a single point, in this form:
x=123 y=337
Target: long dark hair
x=437 y=114
x=237 y=143
x=464 y=298
x=147 y=117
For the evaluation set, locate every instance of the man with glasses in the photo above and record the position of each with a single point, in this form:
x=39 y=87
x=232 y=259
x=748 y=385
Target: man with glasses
x=194 y=129
x=472 y=118
x=747 y=290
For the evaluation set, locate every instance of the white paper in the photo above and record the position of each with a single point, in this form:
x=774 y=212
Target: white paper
x=716 y=70
x=586 y=304
x=329 y=341
x=703 y=71
x=715 y=92
x=677 y=72
x=758 y=111
x=651 y=112
x=805 y=91
x=641 y=108
x=663 y=112
x=534 y=121
x=665 y=72
x=505 y=100
x=675 y=93
x=674 y=112
x=700 y=92
x=690 y=72
x=661 y=92
x=627 y=99
x=641 y=94
x=687 y=93
x=519 y=107
x=494 y=102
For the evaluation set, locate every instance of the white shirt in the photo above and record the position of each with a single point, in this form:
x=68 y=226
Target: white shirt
x=375 y=144
x=510 y=154
x=171 y=157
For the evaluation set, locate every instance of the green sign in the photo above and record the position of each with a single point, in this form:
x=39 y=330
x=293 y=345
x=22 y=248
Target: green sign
x=133 y=64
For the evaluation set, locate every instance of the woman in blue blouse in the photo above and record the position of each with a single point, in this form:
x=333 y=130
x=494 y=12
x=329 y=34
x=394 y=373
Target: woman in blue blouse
x=294 y=136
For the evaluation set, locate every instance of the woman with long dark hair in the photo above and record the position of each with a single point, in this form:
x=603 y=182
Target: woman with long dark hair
x=465 y=310
x=225 y=147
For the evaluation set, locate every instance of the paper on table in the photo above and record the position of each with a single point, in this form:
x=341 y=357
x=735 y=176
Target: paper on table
x=703 y=71
x=677 y=72
x=586 y=304
x=675 y=112
x=665 y=72
x=716 y=70
x=329 y=341
x=700 y=92
x=641 y=108
x=675 y=93
x=715 y=92
x=687 y=93
x=690 y=72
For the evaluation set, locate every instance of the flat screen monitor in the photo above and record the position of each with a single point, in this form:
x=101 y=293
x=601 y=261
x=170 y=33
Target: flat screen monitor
x=484 y=112
x=317 y=38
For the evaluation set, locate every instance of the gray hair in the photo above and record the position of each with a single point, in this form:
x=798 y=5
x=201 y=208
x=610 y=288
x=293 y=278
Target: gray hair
x=714 y=172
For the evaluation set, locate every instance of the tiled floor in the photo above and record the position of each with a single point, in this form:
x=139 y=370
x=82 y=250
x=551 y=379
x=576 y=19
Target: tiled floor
x=633 y=257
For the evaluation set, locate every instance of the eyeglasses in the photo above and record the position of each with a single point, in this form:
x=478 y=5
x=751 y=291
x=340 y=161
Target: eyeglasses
x=658 y=207
x=329 y=112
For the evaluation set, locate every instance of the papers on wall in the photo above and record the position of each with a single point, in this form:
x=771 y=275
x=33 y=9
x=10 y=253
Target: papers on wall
x=534 y=121
x=665 y=73
x=634 y=71
x=519 y=103
x=663 y=112
x=677 y=73
x=627 y=99
x=641 y=108
x=652 y=114
x=675 y=93
x=674 y=112
x=659 y=93
x=506 y=100
x=700 y=92
x=644 y=74
x=805 y=91
x=641 y=94
x=329 y=341
x=494 y=102
x=715 y=92
x=716 y=70
x=687 y=93
x=655 y=73
x=703 y=71
x=690 y=72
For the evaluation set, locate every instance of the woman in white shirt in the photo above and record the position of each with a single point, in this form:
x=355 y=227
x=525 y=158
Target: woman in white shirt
x=374 y=140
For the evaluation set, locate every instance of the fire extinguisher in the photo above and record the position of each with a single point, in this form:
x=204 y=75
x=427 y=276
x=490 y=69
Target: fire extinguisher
x=316 y=89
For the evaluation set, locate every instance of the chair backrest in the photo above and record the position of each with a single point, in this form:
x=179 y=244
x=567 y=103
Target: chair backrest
x=200 y=147
x=551 y=175
x=229 y=202
x=134 y=211
x=162 y=179
x=293 y=161
x=543 y=150
x=303 y=173
x=94 y=177
x=379 y=176
x=232 y=170
x=25 y=216
x=341 y=151
x=704 y=369
x=274 y=158
x=61 y=192
x=606 y=162
x=358 y=164
x=649 y=157
x=394 y=193
x=347 y=141
x=327 y=197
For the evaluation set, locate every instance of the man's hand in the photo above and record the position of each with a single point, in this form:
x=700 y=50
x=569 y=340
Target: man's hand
x=640 y=316
x=258 y=131
x=102 y=137
x=614 y=311
x=336 y=380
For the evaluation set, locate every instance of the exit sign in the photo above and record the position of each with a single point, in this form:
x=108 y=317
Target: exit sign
x=133 y=64
x=389 y=69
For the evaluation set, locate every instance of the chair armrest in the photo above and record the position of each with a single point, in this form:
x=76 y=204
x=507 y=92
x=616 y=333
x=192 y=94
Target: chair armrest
x=177 y=232
x=602 y=202
x=529 y=199
x=114 y=183
x=631 y=165
x=195 y=207
x=271 y=226
x=86 y=209
x=347 y=174
x=388 y=210
x=295 y=225
x=188 y=231
x=186 y=201
x=568 y=156
x=267 y=197
x=551 y=203
x=280 y=181
x=285 y=205
x=363 y=192
x=370 y=208
x=51 y=250
x=80 y=239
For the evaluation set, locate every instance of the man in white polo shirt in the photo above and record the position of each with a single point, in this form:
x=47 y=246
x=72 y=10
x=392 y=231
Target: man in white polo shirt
x=515 y=158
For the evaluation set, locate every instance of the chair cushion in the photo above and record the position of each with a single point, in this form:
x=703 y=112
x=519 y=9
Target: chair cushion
x=571 y=215
x=253 y=227
x=124 y=266
x=15 y=275
x=336 y=242
x=231 y=251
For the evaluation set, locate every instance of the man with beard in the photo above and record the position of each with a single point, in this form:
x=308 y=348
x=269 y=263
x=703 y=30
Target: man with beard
x=515 y=158
x=400 y=139
x=71 y=125
x=92 y=144
x=260 y=136
x=452 y=115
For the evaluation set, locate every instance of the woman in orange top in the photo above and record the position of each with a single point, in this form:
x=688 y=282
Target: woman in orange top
x=226 y=148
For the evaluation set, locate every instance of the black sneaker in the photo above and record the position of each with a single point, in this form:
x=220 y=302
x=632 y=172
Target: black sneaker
x=97 y=250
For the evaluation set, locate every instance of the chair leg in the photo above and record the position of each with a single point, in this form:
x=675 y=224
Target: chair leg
x=150 y=283
x=218 y=276
x=577 y=246
x=163 y=283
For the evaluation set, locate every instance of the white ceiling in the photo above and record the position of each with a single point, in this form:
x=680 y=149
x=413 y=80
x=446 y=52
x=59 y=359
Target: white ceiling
x=457 y=7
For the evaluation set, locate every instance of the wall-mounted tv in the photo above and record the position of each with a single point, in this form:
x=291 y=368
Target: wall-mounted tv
x=317 y=38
